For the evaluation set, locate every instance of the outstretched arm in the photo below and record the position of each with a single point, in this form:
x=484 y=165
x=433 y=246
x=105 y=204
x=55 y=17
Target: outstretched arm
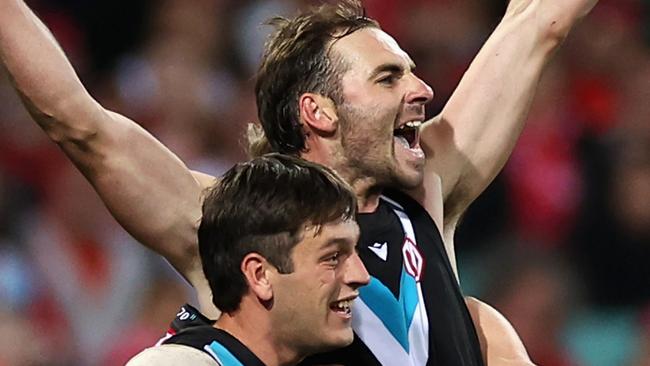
x=470 y=141
x=147 y=188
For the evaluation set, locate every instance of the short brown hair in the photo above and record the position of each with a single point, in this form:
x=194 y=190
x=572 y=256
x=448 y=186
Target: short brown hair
x=297 y=60
x=263 y=206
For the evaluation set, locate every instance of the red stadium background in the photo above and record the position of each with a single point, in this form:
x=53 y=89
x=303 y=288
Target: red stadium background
x=560 y=242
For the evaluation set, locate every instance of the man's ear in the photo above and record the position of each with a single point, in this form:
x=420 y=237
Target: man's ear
x=318 y=113
x=254 y=267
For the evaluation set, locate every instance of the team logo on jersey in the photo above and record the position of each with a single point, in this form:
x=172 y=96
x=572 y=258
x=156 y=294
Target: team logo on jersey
x=380 y=249
x=413 y=260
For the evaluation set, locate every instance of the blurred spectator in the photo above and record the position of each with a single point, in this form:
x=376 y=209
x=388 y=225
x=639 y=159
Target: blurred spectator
x=613 y=239
x=90 y=271
x=159 y=305
x=536 y=292
x=543 y=176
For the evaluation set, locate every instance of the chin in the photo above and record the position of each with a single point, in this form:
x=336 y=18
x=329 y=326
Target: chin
x=340 y=339
x=408 y=179
x=407 y=175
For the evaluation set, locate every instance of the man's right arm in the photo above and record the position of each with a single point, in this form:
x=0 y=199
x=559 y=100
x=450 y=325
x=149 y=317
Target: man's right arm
x=150 y=192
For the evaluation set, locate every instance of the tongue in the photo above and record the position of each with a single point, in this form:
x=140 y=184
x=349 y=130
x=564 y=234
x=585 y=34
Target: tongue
x=403 y=141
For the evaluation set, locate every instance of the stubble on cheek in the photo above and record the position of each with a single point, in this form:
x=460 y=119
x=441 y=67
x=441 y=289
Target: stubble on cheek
x=366 y=134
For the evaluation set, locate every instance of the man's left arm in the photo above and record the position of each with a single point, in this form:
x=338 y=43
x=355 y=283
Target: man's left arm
x=500 y=343
x=471 y=139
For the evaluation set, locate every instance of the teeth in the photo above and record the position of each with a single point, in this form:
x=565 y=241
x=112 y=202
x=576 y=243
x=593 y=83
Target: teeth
x=410 y=124
x=414 y=124
x=343 y=305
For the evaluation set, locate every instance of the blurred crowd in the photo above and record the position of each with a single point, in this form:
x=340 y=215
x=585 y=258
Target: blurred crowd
x=560 y=242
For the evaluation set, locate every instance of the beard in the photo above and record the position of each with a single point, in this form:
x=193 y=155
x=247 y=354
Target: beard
x=367 y=147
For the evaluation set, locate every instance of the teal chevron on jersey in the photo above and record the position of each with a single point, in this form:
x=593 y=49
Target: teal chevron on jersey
x=395 y=314
x=222 y=355
x=387 y=308
x=408 y=297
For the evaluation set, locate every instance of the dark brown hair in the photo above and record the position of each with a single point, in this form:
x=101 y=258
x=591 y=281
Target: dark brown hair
x=262 y=206
x=297 y=60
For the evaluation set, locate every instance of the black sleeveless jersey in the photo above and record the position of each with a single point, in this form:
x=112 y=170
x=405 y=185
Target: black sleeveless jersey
x=222 y=347
x=412 y=313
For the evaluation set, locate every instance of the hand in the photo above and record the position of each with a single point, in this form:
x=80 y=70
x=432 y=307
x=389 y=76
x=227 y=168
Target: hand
x=556 y=16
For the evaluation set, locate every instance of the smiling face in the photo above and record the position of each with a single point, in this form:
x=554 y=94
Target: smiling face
x=311 y=305
x=383 y=105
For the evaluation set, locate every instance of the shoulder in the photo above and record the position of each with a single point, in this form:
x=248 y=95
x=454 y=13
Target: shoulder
x=402 y=200
x=410 y=203
x=171 y=355
x=204 y=180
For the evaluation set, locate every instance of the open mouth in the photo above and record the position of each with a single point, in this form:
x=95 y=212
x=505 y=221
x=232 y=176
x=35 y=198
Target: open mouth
x=408 y=134
x=343 y=307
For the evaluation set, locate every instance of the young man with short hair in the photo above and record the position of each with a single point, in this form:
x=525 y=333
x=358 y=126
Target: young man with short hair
x=277 y=242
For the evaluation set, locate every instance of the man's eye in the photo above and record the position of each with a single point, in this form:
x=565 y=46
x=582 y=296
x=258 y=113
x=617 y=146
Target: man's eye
x=388 y=79
x=333 y=259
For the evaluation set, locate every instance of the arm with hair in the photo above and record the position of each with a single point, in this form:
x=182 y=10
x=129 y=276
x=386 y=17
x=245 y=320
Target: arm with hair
x=146 y=187
x=470 y=141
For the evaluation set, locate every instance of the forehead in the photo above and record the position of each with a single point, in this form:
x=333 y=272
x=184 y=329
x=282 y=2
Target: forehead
x=369 y=47
x=315 y=238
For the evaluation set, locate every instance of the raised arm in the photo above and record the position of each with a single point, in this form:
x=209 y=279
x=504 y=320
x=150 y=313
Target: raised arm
x=147 y=188
x=470 y=141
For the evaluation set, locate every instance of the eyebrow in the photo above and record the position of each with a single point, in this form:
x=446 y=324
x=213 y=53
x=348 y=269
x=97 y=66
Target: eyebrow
x=393 y=68
x=337 y=241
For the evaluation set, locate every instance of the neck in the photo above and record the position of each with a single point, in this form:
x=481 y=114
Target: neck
x=255 y=332
x=367 y=191
x=365 y=188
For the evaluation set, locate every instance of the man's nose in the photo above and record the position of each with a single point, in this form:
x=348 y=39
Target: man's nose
x=420 y=92
x=356 y=274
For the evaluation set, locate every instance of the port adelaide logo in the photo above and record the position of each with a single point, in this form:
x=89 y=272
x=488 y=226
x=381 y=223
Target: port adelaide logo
x=413 y=260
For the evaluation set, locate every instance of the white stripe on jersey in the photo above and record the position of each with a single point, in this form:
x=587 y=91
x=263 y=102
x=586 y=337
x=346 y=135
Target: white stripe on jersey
x=372 y=331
